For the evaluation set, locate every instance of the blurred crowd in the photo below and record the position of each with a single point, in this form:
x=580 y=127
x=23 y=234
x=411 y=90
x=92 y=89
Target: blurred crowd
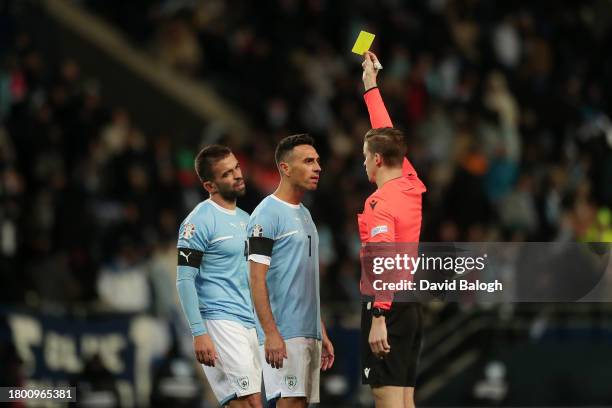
x=506 y=108
x=90 y=204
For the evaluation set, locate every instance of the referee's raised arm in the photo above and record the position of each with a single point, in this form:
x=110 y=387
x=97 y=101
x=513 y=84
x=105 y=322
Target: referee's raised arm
x=379 y=117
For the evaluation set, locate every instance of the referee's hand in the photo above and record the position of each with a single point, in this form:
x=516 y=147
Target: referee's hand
x=379 y=344
x=275 y=349
x=204 y=350
x=370 y=70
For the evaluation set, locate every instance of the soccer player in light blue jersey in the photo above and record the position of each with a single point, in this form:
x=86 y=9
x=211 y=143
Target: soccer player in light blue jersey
x=213 y=286
x=284 y=269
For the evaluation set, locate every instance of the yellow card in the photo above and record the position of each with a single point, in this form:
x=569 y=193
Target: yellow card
x=363 y=43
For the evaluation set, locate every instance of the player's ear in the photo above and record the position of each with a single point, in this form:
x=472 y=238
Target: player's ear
x=378 y=159
x=209 y=186
x=284 y=168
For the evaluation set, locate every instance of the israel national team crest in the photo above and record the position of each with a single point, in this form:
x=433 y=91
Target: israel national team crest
x=258 y=230
x=243 y=382
x=291 y=381
x=188 y=231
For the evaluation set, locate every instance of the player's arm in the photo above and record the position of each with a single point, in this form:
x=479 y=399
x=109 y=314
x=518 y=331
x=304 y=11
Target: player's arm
x=379 y=116
x=188 y=265
x=274 y=345
x=260 y=255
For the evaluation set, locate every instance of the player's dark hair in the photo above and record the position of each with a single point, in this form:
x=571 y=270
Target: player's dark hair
x=207 y=157
x=286 y=145
x=389 y=143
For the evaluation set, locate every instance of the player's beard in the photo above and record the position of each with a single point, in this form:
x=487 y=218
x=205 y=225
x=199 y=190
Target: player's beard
x=230 y=193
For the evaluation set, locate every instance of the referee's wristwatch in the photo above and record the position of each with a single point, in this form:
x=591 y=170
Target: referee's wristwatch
x=378 y=312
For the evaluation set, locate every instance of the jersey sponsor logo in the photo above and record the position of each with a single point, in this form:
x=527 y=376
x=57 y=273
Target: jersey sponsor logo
x=373 y=204
x=304 y=218
x=258 y=230
x=241 y=225
x=378 y=230
x=188 y=231
x=366 y=371
x=291 y=381
x=243 y=382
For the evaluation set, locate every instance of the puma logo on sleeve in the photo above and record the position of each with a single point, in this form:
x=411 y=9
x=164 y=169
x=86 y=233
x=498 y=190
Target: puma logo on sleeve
x=189 y=257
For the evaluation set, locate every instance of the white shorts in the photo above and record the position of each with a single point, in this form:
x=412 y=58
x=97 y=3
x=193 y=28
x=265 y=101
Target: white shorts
x=237 y=371
x=300 y=374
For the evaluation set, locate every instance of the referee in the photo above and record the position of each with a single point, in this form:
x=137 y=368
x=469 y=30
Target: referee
x=391 y=332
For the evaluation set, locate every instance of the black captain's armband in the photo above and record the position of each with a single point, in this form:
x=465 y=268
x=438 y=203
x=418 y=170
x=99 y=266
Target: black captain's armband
x=190 y=257
x=260 y=246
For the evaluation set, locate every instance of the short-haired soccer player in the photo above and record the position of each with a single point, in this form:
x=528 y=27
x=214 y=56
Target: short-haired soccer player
x=212 y=282
x=391 y=331
x=284 y=263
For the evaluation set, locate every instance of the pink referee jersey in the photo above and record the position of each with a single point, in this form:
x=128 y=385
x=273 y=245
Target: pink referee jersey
x=393 y=212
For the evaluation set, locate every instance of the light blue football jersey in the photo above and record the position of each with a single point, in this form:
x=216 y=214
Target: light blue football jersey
x=293 y=277
x=219 y=237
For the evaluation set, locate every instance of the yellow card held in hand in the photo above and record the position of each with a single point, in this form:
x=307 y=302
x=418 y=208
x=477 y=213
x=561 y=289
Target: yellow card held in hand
x=363 y=43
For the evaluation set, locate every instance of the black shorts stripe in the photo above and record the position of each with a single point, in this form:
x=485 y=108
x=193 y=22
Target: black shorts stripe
x=260 y=246
x=190 y=257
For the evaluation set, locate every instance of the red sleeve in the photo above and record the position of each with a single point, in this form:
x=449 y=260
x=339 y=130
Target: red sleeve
x=382 y=224
x=379 y=117
x=382 y=229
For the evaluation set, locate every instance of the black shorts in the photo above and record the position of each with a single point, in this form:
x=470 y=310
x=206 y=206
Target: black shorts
x=405 y=335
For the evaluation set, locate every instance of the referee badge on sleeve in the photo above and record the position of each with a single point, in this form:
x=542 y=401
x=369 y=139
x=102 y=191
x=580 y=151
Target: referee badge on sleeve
x=379 y=230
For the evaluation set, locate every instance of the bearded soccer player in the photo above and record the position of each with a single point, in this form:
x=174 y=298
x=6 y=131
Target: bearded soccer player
x=284 y=267
x=212 y=282
x=391 y=331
